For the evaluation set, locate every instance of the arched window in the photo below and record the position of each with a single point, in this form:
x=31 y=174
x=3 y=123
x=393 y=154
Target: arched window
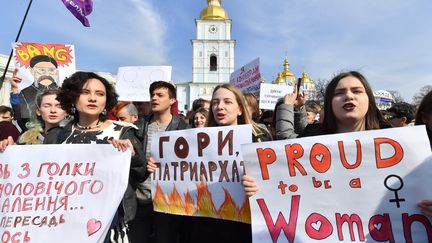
x=213 y=62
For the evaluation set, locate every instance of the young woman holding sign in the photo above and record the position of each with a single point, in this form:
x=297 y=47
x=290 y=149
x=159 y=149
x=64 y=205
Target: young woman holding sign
x=87 y=97
x=349 y=106
x=227 y=108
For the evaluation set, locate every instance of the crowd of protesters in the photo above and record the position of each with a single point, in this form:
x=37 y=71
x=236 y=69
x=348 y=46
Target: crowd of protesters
x=85 y=110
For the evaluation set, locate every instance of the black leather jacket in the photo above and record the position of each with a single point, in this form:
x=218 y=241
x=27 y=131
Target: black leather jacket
x=138 y=165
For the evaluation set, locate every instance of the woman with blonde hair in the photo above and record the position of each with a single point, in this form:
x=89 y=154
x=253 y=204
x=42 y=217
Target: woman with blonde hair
x=228 y=107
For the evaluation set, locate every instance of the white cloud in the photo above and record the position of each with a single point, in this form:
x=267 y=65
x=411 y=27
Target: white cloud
x=128 y=32
x=387 y=40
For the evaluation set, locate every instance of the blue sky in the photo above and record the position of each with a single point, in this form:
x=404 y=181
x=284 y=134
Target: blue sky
x=387 y=40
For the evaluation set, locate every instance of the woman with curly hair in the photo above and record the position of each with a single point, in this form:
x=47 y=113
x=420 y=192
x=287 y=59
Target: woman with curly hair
x=87 y=97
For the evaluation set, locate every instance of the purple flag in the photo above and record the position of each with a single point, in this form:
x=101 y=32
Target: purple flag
x=80 y=9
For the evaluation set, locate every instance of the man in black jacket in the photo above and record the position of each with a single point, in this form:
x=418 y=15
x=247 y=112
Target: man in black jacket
x=148 y=224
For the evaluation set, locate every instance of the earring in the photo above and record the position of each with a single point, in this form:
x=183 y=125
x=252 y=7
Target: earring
x=104 y=112
x=73 y=110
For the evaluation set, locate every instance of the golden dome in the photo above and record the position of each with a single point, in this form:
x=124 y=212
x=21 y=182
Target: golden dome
x=214 y=11
x=306 y=79
x=286 y=76
x=279 y=79
x=286 y=72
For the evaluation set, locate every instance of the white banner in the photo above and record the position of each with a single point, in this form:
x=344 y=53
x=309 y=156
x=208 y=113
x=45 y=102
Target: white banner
x=248 y=78
x=270 y=93
x=200 y=172
x=60 y=193
x=351 y=187
x=133 y=82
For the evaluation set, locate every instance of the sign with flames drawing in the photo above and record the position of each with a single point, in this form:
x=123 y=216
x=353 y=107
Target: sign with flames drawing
x=356 y=187
x=199 y=172
x=54 y=193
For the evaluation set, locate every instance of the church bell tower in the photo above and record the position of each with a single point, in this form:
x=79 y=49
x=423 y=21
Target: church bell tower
x=213 y=49
x=212 y=55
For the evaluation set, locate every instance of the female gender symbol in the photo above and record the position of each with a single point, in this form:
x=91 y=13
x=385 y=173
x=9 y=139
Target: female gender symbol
x=395 y=190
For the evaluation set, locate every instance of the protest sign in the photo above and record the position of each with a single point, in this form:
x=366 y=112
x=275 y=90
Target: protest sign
x=199 y=172
x=34 y=69
x=248 y=78
x=270 y=93
x=356 y=187
x=133 y=82
x=38 y=64
x=60 y=193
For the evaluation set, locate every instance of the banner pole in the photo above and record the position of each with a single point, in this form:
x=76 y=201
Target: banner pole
x=16 y=40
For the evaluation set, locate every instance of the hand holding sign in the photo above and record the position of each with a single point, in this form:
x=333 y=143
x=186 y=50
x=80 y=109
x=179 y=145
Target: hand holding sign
x=151 y=165
x=15 y=81
x=250 y=185
x=6 y=142
x=426 y=207
x=291 y=98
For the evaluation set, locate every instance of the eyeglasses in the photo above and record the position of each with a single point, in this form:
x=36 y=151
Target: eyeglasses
x=42 y=70
x=392 y=116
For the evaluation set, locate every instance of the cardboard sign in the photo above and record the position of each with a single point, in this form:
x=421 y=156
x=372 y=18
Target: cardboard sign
x=60 y=193
x=199 y=172
x=25 y=54
x=351 y=187
x=248 y=78
x=270 y=93
x=133 y=82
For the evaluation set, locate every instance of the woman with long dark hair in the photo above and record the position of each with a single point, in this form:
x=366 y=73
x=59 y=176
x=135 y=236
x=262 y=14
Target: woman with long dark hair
x=349 y=106
x=424 y=117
